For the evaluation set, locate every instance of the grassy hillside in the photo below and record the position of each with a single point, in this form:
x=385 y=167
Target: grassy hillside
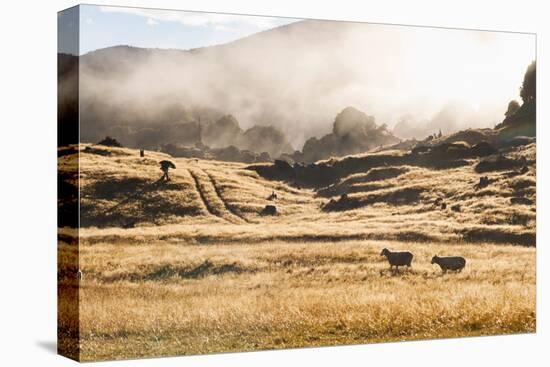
x=393 y=202
x=191 y=266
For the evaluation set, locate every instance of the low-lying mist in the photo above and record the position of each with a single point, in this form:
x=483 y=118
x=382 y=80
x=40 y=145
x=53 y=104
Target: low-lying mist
x=298 y=77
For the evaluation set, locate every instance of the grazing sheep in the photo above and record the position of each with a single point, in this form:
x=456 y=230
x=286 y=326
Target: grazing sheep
x=455 y=263
x=483 y=182
x=397 y=259
x=269 y=210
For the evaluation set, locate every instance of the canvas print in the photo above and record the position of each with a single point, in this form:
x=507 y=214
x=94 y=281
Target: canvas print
x=234 y=183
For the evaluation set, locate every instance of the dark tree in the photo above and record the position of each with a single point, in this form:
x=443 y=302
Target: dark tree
x=110 y=142
x=513 y=106
x=529 y=88
x=165 y=166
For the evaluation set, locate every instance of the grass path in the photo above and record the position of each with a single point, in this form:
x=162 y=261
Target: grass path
x=227 y=206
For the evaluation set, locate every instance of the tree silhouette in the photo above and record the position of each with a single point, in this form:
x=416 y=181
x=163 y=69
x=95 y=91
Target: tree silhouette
x=165 y=166
x=529 y=88
x=110 y=142
x=513 y=106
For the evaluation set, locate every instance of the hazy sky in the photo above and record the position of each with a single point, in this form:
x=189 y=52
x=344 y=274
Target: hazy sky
x=387 y=71
x=104 y=26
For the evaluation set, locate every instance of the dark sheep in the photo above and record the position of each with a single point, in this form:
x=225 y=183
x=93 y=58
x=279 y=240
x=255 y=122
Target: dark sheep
x=483 y=182
x=273 y=196
x=269 y=210
x=397 y=259
x=454 y=263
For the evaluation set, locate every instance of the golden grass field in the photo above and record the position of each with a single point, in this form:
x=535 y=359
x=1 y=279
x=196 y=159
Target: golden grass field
x=189 y=266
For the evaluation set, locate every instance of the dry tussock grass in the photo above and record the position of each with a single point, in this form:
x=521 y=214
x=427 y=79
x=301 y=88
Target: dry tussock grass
x=177 y=209
x=280 y=295
x=201 y=271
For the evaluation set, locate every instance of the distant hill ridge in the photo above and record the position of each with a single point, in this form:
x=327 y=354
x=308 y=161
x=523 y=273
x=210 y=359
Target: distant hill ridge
x=147 y=98
x=150 y=97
